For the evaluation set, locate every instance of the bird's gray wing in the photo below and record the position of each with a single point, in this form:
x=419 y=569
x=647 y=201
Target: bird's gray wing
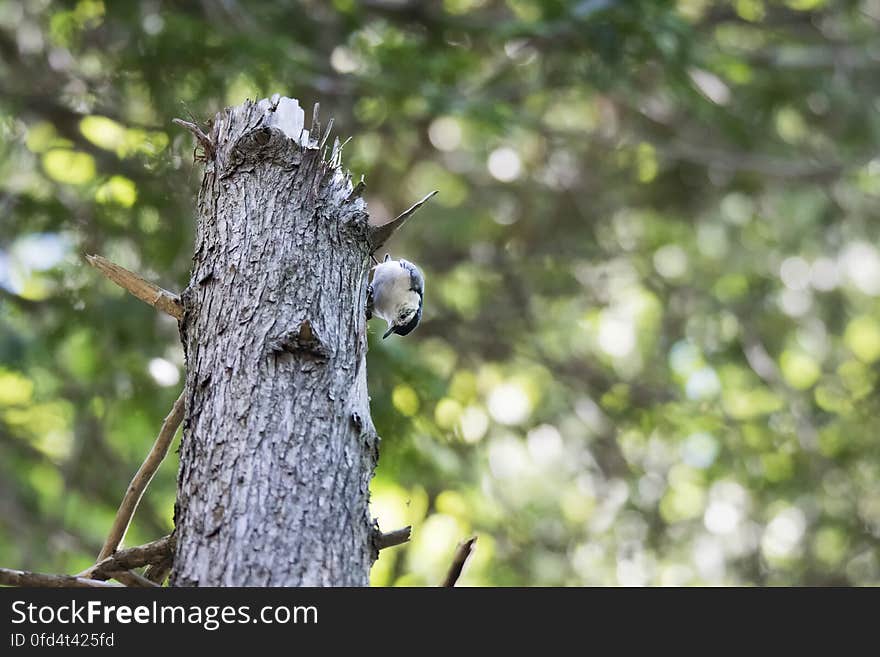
x=416 y=280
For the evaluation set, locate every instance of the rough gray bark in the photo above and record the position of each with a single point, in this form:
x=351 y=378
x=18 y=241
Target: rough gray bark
x=278 y=446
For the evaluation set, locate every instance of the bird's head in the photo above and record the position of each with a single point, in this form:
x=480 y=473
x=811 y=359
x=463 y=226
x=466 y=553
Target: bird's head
x=406 y=321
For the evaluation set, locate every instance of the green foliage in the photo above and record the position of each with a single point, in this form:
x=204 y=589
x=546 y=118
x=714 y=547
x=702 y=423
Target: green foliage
x=653 y=301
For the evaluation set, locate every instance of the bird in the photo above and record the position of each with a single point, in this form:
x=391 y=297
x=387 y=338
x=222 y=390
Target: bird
x=396 y=294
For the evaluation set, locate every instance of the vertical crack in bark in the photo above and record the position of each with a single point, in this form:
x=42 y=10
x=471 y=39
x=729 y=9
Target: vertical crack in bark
x=274 y=477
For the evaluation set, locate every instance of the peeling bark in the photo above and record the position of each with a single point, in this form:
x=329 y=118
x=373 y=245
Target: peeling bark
x=278 y=446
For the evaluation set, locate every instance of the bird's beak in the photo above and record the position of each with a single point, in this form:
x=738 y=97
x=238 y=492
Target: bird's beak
x=388 y=332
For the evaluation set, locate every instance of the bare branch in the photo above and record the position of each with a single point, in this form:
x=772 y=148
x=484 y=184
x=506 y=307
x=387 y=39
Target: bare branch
x=462 y=552
x=158 y=572
x=143 y=477
x=381 y=234
x=133 y=579
x=159 y=298
x=203 y=139
x=390 y=539
x=9 y=577
x=134 y=557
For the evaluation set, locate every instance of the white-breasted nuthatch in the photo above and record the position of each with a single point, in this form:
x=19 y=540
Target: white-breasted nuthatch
x=396 y=294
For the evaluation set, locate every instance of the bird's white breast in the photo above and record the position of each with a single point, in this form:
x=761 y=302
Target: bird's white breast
x=391 y=290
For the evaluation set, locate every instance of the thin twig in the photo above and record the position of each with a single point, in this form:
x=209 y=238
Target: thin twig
x=133 y=579
x=159 y=298
x=316 y=125
x=327 y=135
x=198 y=133
x=390 y=539
x=380 y=234
x=127 y=577
x=142 y=478
x=9 y=577
x=133 y=557
x=462 y=552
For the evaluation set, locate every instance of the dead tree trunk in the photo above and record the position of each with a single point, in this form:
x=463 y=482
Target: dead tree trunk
x=278 y=446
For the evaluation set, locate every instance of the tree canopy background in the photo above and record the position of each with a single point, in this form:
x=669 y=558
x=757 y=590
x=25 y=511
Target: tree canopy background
x=652 y=324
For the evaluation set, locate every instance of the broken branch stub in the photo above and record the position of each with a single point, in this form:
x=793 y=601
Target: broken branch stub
x=459 y=559
x=382 y=233
x=161 y=299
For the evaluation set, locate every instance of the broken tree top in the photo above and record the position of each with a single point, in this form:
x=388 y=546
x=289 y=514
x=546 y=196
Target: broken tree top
x=250 y=125
x=285 y=114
